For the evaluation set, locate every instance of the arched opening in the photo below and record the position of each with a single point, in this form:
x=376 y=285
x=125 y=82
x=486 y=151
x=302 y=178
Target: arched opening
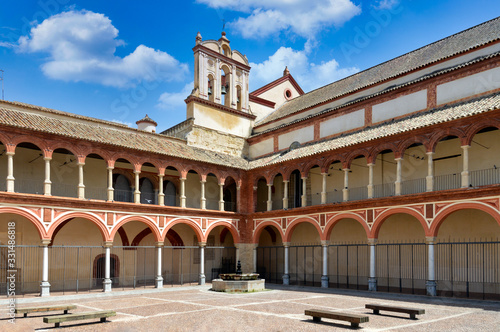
x=447 y=163
x=220 y=253
x=99 y=269
x=295 y=189
x=193 y=190
x=467 y=255
x=29 y=168
x=64 y=173
x=148 y=195
x=238 y=98
x=123 y=181
x=262 y=195
x=270 y=255
x=305 y=255
x=95 y=184
x=171 y=186
x=230 y=195
x=212 y=192
x=211 y=87
x=484 y=157
x=401 y=255
x=226 y=87
x=348 y=255
x=277 y=192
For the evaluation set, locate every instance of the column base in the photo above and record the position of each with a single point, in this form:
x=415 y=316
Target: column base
x=159 y=282
x=325 y=281
x=202 y=279
x=372 y=284
x=431 y=286
x=106 y=285
x=286 y=279
x=44 y=288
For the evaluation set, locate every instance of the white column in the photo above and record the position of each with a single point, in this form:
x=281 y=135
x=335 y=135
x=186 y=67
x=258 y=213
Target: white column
x=465 y=172
x=286 y=275
x=137 y=192
x=285 y=195
x=269 y=197
x=10 y=171
x=111 y=190
x=183 y=192
x=397 y=184
x=45 y=285
x=159 y=278
x=431 y=279
x=345 y=191
x=161 y=194
x=323 y=188
x=202 y=262
x=304 y=192
x=81 y=186
x=203 y=200
x=106 y=284
x=221 y=196
x=324 y=278
x=370 y=180
x=430 y=172
x=47 y=184
x=372 y=279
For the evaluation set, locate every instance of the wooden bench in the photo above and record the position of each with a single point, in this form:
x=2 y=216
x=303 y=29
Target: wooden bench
x=354 y=319
x=26 y=311
x=411 y=311
x=57 y=320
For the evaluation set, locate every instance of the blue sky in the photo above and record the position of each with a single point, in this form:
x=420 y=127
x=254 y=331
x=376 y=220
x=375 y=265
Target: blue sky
x=120 y=60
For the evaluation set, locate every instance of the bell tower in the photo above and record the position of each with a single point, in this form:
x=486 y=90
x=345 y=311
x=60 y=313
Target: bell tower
x=219 y=103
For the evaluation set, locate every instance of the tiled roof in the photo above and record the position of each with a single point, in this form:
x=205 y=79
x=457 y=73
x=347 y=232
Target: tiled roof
x=456 y=44
x=147 y=119
x=93 y=130
x=389 y=128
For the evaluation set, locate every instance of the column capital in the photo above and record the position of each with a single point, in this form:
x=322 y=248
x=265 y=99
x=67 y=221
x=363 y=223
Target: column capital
x=137 y=172
x=45 y=242
x=372 y=241
x=465 y=147
x=202 y=244
x=47 y=158
x=286 y=244
x=430 y=239
x=110 y=168
x=429 y=153
x=325 y=243
x=107 y=244
x=80 y=163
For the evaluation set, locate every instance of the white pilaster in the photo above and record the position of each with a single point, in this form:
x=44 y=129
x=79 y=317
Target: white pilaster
x=324 y=278
x=111 y=190
x=45 y=285
x=47 y=184
x=183 y=192
x=431 y=284
x=161 y=194
x=10 y=171
x=202 y=263
x=81 y=185
x=106 y=284
x=203 y=200
x=372 y=279
x=159 y=277
x=137 y=192
x=221 y=196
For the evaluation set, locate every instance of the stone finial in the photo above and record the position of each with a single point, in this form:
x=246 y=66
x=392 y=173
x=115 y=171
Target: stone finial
x=286 y=71
x=198 y=38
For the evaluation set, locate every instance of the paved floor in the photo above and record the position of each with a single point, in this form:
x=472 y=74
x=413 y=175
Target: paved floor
x=196 y=308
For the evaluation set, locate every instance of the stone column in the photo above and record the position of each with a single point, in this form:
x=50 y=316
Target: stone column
x=345 y=191
x=10 y=171
x=323 y=188
x=202 y=262
x=370 y=180
x=161 y=194
x=159 y=277
x=304 y=192
x=81 y=186
x=183 y=192
x=106 y=284
x=221 y=196
x=203 y=200
x=430 y=172
x=465 y=171
x=286 y=275
x=45 y=285
x=372 y=279
x=269 y=197
x=137 y=192
x=285 y=195
x=324 y=278
x=111 y=190
x=430 y=283
x=47 y=184
x=256 y=245
x=397 y=184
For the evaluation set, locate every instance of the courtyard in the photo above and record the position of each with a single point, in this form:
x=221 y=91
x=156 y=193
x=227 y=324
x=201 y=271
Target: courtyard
x=197 y=308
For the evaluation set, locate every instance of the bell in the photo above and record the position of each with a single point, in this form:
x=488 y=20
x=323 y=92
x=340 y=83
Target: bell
x=209 y=90
x=224 y=89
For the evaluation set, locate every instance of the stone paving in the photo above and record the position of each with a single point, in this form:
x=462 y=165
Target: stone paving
x=196 y=308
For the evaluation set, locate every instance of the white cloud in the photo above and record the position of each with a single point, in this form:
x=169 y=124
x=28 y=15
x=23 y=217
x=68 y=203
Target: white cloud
x=174 y=100
x=302 y=17
x=386 y=4
x=81 y=47
x=309 y=75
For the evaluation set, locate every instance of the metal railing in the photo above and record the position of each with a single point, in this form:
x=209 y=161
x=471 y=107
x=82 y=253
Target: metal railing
x=347 y=266
x=64 y=190
x=29 y=186
x=485 y=177
x=413 y=186
x=448 y=181
x=358 y=193
x=384 y=190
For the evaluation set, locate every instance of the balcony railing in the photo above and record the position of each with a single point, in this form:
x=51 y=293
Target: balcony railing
x=413 y=186
x=384 y=190
x=29 y=186
x=448 y=181
x=358 y=193
x=485 y=177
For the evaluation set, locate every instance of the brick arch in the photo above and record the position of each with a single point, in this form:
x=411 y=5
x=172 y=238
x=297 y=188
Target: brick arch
x=38 y=142
x=271 y=180
x=330 y=224
x=350 y=157
x=4 y=139
x=296 y=222
x=310 y=165
x=147 y=221
x=69 y=147
x=289 y=170
x=401 y=210
x=257 y=179
x=229 y=226
x=151 y=177
x=155 y=163
x=379 y=148
x=404 y=145
x=29 y=216
x=445 y=213
x=329 y=162
x=440 y=134
x=84 y=215
x=258 y=231
x=475 y=128
x=216 y=174
x=186 y=221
